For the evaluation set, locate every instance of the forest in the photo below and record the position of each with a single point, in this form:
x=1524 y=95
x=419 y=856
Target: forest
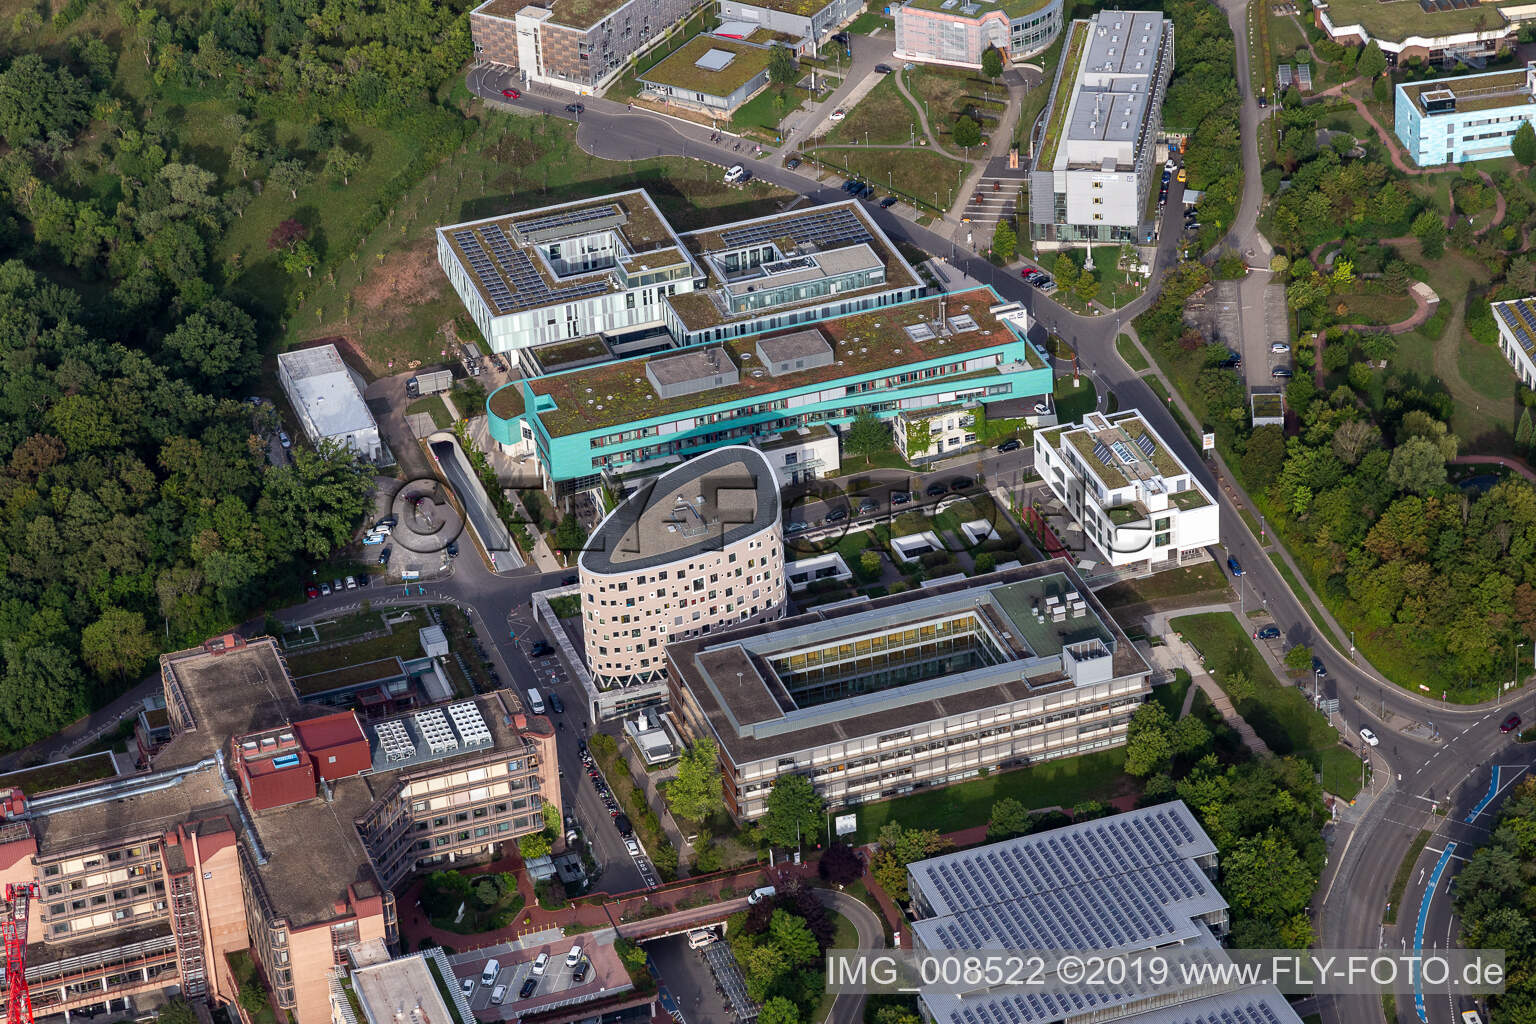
x=1496 y=898
x=152 y=239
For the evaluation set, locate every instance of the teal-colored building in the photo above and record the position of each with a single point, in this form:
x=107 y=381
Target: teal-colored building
x=641 y=415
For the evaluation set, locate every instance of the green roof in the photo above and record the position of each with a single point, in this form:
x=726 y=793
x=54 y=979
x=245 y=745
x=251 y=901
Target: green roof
x=1396 y=21
x=1014 y=9
x=1061 y=97
x=1187 y=500
x=60 y=774
x=864 y=343
x=1083 y=442
x=680 y=70
x=1475 y=92
x=507 y=401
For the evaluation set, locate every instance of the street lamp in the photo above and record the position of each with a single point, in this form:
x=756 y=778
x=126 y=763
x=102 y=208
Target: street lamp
x=1351 y=645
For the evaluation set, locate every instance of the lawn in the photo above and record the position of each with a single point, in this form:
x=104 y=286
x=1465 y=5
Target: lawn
x=921 y=176
x=394 y=302
x=883 y=117
x=946 y=93
x=763 y=112
x=1130 y=353
x=1283 y=718
x=1373 y=306
x=401 y=642
x=627 y=87
x=870 y=21
x=1171 y=694
x=1173 y=588
x=433 y=406
x=1072 y=403
x=244 y=969
x=1096 y=776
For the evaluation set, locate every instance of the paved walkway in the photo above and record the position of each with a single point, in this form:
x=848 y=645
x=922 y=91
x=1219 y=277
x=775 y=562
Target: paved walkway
x=1518 y=465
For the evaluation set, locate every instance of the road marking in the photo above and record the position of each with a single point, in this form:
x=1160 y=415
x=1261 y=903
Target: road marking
x=1418 y=931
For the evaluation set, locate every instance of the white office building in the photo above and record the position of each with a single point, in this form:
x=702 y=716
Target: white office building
x=1095 y=166
x=1516 y=319
x=328 y=398
x=1137 y=503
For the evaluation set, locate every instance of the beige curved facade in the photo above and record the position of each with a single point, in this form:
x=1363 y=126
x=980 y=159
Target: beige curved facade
x=698 y=548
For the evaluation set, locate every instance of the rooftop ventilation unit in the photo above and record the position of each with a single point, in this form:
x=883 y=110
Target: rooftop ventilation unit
x=433 y=726
x=395 y=741
x=469 y=724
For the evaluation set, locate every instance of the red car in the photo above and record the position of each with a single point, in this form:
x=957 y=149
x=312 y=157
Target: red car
x=1510 y=724
x=313 y=592
x=512 y=94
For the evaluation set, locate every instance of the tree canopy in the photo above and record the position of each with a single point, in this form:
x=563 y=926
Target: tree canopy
x=794 y=813
x=695 y=792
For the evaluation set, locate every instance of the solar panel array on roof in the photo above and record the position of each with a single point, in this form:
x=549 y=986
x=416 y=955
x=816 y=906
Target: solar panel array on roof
x=1102 y=453
x=512 y=282
x=534 y=229
x=1144 y=442
x=825 y=229
x=1519 y=316
x=1057 y=1002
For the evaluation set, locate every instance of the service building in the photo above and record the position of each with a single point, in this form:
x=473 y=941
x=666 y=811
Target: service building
x=1095 y=166
x=913 y=690
x=328 y=399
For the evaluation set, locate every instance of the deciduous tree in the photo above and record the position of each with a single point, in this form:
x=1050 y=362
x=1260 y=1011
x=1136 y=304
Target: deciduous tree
x=967 y=132
x=794 y=811
x=695 y=793
x=868 y=437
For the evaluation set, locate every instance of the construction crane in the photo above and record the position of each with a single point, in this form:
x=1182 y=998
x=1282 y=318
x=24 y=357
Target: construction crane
x=18 y=1001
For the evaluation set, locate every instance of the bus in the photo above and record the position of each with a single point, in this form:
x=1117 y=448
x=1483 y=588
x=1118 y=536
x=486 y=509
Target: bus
x=1470 y=1017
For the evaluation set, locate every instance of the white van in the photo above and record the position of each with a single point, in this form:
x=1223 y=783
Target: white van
x=498 y=994
x=735 y=174
x=492 y=968
x=700 y=937
x=767 y=892
x=535 y=700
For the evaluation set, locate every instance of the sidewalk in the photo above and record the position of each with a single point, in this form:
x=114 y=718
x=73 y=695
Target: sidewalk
x=1178 y=654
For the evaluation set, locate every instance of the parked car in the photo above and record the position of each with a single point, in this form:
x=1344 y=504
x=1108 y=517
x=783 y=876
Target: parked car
x=633 y=847
x=1510 y=724
x=836 y=515
x=961 y=483
x=868 y=507
x=541 y=650
x=839 y=114
x=1282 y=373
x=468 y=985
x=283 y=439
x=792 y=163
x=529 y=987
x=312 y=592
x=1013 y=444
x=735 y=173
x=621 y=822
x=351 y=582
x=338 y=586
x=362 y=579
x=1369 y=736
x=539 y=963
x=900 y=497
x=574 y=956
x=888 y=202
x=1237 y=570
x=512 y=94
x=795 y=527
x=556 y=704
x=325 y=590
x=452 y=548
x=571 y=580
x=883 y=69
x=1181 y=176
x=935 y=490
x=580 y=973
x=384 y=556
x=1280 y=348
x=1268 y=633
x=1318 y=668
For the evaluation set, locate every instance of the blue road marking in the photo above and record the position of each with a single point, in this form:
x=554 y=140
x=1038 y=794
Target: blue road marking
x=1418 y=931
x=1494 y=784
